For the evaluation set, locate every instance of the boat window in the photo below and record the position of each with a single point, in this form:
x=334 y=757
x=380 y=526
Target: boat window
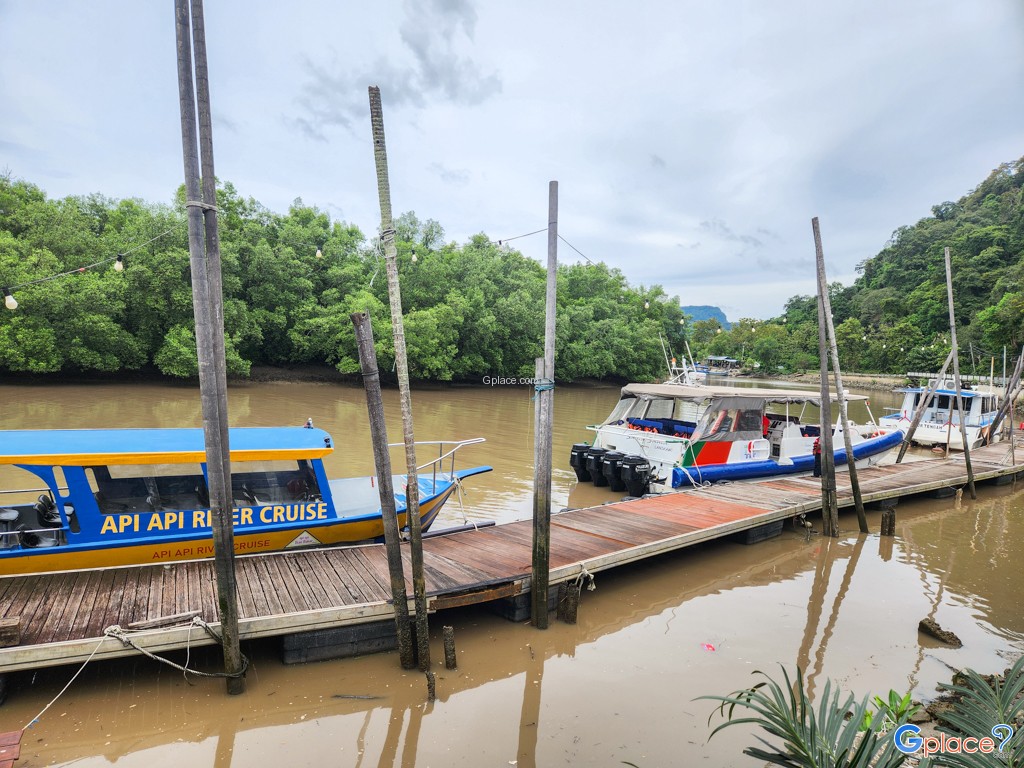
x=273 y=482
x=627 y=406
x=659 y=409
x=126 y=488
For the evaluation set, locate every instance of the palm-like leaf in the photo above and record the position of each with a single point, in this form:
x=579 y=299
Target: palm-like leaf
x=980 y=708
x=827 y=738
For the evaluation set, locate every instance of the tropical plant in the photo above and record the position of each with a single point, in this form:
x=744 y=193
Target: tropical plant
x=897 y=709
x=979 y=706
x=828 y=736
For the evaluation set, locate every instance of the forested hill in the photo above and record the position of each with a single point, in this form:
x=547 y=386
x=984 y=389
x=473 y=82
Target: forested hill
x=290 y=284
x=895 y=317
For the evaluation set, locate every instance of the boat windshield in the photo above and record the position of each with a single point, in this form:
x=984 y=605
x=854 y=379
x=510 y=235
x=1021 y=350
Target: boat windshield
x=732 y=419
x=124 y=488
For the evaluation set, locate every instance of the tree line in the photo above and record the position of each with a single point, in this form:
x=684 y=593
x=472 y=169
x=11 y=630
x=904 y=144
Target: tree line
x=471 y=310
x=290 y=284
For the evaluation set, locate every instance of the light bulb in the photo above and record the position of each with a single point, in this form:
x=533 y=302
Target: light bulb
x=9 y=301
x=414 y=259
x=119 y=263
x=319 y=253
x=647 y=305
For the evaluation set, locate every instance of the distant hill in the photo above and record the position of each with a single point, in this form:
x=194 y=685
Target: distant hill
x=706 y=312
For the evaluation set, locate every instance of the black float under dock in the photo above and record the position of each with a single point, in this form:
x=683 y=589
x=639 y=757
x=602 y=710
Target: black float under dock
x=62 y=618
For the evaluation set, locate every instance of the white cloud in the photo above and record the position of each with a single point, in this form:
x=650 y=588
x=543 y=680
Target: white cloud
x=693 y=142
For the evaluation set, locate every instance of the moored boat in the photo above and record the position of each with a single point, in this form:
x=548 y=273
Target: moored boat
x=940 y=423
x=687 y=435
x=128 y=496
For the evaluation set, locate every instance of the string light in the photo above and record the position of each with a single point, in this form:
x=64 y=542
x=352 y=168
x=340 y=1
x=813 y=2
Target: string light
x=11 y=303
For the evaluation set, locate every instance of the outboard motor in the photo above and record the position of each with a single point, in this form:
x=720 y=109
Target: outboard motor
x=594 y=457
x=611 y=467
x=635 y=472
x=578 y=461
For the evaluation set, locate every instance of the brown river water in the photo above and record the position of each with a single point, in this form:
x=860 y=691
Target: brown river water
x=619 y=686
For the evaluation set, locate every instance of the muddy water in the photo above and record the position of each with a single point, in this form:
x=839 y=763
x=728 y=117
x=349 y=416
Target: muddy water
x=618 y=686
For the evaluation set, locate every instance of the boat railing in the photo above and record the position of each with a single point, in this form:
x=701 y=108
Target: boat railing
x=437 y=464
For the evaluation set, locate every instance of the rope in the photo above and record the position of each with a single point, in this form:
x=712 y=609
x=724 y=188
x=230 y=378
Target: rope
x=116 y=632
x=201 y=204
x=35 y=719
x=543 y=385
x=585 y=574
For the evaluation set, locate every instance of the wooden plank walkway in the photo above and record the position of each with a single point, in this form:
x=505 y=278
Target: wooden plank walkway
x=64 y=615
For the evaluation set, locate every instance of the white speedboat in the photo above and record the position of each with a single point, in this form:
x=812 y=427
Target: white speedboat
x=660 y=437
x=940 y=423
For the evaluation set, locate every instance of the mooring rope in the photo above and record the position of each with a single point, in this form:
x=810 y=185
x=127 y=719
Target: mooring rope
x=116 y=632
x=585 y=574
x=35 y=719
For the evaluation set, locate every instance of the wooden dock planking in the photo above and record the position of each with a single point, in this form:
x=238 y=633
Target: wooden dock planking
x=64 y=615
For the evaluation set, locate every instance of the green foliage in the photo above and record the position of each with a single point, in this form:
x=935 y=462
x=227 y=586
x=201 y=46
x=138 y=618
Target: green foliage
x=835 y=735
x=979 y=706
x=473 y=309
x=889 y=712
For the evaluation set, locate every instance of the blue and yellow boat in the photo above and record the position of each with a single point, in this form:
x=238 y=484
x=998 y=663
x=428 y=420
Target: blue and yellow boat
x=117 y=497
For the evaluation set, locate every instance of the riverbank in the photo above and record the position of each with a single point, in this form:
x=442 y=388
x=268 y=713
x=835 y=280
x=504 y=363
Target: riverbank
x=877 y=381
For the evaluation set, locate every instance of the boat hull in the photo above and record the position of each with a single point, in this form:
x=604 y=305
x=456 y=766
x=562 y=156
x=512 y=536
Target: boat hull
x=697 y=474
x=167 y=545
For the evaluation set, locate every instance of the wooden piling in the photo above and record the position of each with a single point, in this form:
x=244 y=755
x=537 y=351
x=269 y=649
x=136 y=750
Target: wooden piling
x=956 y=379
x=889 y=522
x=412 y=493
x=385 y=486
x=858 y=501
x=544 y=387
x=568 y=602
x=450 y=662
x=829 y=502
x=207 y=302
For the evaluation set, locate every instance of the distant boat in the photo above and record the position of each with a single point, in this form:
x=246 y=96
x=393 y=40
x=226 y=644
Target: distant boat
x=661 y=437
x=114 y=497
x=940 y=423
x=719 y=365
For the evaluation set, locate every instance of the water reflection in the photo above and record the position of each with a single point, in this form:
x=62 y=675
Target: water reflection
x=618 y=686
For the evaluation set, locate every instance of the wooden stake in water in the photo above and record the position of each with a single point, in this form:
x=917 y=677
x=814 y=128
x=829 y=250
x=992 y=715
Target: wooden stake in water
x=844 y=418
x=207 y=303
x=386 y=491
x=956 y=381
x=829 y=502
x=545 y=399
x=412 y=490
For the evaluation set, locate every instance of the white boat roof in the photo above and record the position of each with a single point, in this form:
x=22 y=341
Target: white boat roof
x=700 y=393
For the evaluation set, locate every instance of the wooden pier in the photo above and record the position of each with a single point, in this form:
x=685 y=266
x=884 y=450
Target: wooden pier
x=63 y=617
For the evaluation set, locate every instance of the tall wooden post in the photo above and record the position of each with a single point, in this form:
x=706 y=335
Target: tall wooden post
x=545 y=404
x=207 y=302
x=412 y=490
x=858 y=501
x=829 y=502
x=385 y=486
x=956 y=379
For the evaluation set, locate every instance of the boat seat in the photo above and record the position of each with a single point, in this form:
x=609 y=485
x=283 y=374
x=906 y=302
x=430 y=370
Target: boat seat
x=30 y=539
x=8 y=517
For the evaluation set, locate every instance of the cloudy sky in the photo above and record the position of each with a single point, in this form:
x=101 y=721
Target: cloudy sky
x=693 y=141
